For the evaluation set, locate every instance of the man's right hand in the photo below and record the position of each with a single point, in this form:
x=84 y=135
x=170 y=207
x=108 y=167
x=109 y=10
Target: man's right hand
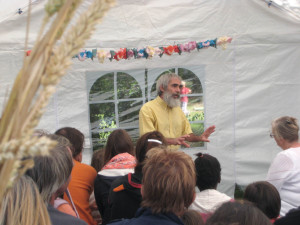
x=179 y=141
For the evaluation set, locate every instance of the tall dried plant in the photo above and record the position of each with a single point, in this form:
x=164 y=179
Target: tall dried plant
x=36 y=81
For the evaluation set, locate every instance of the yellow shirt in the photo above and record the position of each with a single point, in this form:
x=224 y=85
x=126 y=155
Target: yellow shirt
x=157 y=115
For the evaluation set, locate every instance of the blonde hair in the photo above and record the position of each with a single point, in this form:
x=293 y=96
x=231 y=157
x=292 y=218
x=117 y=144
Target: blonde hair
x=286 y=127
x=22 y=204
x=52 y=171
x=169 y=181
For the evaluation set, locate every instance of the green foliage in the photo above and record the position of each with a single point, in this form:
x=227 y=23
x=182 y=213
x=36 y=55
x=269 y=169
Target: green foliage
x=239 y=191
x=195 y=116
x=104 y=124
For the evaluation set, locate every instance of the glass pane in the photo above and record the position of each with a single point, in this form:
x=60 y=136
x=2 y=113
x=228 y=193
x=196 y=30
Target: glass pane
x=103 y=122
x=100 y=143
x=129 y=113
x=103 y=88
x=97 y=144
x=194 y=110
x=197 y=129
x=128 y=87
x=153 y=88
x=134 y=134
x=191 y=80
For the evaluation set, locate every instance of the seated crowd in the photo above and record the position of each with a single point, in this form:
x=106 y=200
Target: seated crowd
x=149 y=183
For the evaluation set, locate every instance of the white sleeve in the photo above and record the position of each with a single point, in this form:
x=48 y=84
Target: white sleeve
x=279 y=170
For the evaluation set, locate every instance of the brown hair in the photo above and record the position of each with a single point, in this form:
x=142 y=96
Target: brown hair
x=238 y=212
x=265 y=196
x=97 y=159
x=145 y=143
x=75 y=137
x=118 y=142
x=286 y=127
x=168 y=181
x=192 y=217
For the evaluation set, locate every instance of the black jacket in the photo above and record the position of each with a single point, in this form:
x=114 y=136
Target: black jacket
x=125 y=196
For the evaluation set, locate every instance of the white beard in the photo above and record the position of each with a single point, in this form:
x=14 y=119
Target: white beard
x=170 y=100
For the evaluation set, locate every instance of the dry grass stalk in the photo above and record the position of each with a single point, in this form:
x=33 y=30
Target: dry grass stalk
x=36 y=82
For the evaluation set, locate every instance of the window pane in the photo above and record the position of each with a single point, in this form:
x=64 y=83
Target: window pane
x=195 y=109
x=103 y=122
x=103 y=88
x=197 y=129
x=129 y=113
x=128 y=87
x=191 y=80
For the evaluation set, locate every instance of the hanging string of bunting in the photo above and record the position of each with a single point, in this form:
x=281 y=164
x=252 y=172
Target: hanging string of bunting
x=149 y=52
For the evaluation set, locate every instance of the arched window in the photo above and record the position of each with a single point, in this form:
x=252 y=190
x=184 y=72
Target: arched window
x=115 y=99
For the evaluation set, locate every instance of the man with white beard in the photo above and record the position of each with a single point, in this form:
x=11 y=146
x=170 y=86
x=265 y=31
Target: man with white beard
x=164 y=114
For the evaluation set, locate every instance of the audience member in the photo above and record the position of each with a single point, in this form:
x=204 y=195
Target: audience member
x=98 y=159
x=291 y=218
x=125 y=192
x=52 y=174
x=285 y=168
x=208 y=173
x=192 y=217
x=82 y=178
x=22 y=204
x=238 y=213
x=168 y=188
x=118 y=161
x=265 y=197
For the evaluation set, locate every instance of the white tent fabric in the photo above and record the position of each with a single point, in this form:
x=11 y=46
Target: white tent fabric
x=252 y=82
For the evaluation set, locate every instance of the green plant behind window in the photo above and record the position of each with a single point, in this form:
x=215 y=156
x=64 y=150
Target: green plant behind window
x=105 y=123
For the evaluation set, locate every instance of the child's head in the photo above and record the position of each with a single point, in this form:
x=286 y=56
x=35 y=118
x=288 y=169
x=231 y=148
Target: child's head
x=208 y=171
x=265 y=196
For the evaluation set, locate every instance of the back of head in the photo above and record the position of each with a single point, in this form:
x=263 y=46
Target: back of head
x=164 y=81
x=192 y=217
x=97 y=159
x=75 y=137
x=168 y=181
x=146 y=142
x=52 y=171
x=265 y=196
x=208 y=171
x=286 y=127
x=22 y=204
x=118 y=142
x=238 y=213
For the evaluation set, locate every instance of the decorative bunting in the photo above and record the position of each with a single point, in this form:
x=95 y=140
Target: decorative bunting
x=149 y=52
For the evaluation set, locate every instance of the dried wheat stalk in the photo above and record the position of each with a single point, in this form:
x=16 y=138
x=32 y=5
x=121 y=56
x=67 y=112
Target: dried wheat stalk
x=36 y=82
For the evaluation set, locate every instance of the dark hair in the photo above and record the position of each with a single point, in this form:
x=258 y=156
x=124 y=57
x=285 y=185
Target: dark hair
x=97 y=159
x=265 y=196
x=238 y=213
x=192 y=217
x=143 y=145
x=118 y=142
x=208 y=171
x=75 y=137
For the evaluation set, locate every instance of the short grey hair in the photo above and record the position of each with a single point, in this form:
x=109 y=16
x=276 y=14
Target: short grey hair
x=52 y=171
x=164 y=81
x=286 y=127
